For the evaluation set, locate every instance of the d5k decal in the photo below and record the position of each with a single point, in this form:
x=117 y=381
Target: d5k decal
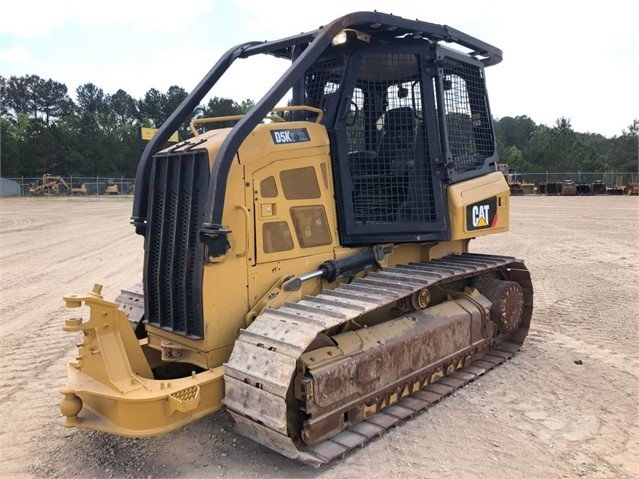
x=482 y=214
x=293 y=135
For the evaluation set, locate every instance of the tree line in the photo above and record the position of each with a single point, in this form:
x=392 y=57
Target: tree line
x=531 y=148
x=43 y=130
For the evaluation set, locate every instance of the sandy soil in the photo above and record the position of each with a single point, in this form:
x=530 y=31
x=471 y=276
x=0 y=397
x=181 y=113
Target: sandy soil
x=540 y=415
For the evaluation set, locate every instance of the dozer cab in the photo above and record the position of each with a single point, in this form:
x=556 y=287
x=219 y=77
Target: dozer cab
x=309 y=267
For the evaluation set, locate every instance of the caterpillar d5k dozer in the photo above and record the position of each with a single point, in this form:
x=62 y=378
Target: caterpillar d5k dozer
x=309 y=267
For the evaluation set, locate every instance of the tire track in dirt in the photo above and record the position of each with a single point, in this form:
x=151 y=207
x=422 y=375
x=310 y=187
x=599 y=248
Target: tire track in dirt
x=591 y=351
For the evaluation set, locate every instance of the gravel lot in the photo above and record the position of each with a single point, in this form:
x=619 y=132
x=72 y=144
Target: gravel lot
x=540 y=415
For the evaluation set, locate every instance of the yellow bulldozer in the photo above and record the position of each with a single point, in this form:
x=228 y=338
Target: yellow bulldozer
x=309 y=268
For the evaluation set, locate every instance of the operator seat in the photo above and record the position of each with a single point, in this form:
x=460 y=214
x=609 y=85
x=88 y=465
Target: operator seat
x=398 y=140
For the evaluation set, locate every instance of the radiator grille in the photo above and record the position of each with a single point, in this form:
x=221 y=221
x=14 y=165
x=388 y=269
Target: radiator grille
x=174 y=256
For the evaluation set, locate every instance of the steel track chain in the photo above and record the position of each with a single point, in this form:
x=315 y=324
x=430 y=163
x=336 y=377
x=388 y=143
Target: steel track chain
x=263 y=363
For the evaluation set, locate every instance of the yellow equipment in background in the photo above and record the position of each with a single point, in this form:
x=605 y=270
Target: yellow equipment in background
x=80 y=189
x=111 y=188
x=49 y=186
x=516 y=187
x=309 y=268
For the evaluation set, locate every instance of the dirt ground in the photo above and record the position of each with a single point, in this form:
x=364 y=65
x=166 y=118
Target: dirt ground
x=540 y=415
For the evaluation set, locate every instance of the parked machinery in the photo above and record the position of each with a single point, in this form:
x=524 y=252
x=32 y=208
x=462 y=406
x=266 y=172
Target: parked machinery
x=632 y=188
x=50 y=185
x=111 y=188
x=550 y=188
x=584 y=189
x=598 y=187
x=617 y=188
x=79 y=189
x=568 y=188
x=516 y=187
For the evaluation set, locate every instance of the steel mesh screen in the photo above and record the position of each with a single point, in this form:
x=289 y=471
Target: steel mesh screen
x=323 y=80
x=173 y=268
x=387 y=153
x=470 y=133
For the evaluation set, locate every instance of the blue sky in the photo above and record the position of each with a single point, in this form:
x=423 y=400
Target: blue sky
x=579 y=60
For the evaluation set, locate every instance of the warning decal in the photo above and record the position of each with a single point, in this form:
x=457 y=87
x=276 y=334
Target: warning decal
x=482 y=214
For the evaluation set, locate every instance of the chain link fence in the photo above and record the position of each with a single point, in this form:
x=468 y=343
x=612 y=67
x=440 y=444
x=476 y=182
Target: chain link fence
x=99 y=185
x=71 y=185
x=612 y=179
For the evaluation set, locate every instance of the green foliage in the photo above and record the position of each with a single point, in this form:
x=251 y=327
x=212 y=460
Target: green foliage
x=515 y=131
x=626 y=147
x=530 y=148
x=42 y=130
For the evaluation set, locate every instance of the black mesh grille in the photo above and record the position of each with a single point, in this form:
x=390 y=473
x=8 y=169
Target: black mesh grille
x=322 y=82
x=387 y=153
x=470 y=134
x=174 y=257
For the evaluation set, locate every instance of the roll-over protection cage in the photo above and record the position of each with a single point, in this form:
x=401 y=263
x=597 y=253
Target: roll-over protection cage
x=304 y=50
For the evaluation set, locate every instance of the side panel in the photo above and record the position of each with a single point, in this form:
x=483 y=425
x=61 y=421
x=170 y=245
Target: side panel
x=293 y=208
x=479 y=206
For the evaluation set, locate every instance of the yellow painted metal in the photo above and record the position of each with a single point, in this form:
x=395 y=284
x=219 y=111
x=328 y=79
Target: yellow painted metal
x=147 y=133
x=234 y=284
x=219 y=119
x=468 y=192
x=274 y=298
x=111 y=386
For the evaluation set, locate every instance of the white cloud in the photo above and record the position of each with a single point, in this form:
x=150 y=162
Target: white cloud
x=45 y=16
x=559 y=60
x=15 y=55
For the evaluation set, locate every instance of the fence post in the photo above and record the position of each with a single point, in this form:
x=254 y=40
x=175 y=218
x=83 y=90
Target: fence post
x=546 y=176
x=97 y=185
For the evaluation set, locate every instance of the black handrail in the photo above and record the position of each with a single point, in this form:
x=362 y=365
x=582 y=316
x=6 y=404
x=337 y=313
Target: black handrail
x=174 y=121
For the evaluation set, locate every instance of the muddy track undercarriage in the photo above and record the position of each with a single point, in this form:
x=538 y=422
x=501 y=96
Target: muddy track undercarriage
x=315 y=379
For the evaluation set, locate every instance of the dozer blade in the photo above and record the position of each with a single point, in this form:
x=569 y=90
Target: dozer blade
x=314 y=401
